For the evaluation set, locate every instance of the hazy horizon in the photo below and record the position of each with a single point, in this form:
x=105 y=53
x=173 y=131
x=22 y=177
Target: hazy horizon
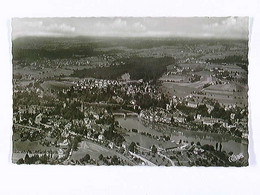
x=129 y=27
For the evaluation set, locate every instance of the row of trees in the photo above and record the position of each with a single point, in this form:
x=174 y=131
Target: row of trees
x=43 y=159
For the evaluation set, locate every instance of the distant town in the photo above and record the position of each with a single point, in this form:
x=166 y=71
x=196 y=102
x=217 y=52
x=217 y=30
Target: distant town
x=137 y=101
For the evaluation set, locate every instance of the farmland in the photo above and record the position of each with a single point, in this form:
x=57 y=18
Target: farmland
x=136 y=101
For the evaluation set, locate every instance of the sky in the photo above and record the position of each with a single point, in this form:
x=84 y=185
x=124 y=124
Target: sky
x=193 y=27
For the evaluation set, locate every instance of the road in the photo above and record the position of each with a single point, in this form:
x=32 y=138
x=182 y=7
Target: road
x=149 y=150
x=98 y=145
x=166 y=158
x=70 y=154
x=29 y=127
x=158 y=154
x=95 y=146
x=143 y=159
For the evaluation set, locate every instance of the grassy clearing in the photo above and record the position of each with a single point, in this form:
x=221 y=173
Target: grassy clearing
x=55 y=85
x=175 y=89
x=32 y=146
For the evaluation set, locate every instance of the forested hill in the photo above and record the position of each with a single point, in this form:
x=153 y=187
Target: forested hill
x=146 y=68
x=32 y=48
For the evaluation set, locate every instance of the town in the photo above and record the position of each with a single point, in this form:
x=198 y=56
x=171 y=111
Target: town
x=133 y=102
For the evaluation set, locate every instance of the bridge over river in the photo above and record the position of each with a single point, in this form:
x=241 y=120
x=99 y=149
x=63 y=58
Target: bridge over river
x=125 y=114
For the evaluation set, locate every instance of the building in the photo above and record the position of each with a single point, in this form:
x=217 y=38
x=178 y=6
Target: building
x=100 y=137
x=126 y=77
x=111 y=145
x=209 y=121
x=38 y=119
x=192 y=105
x=61 y=153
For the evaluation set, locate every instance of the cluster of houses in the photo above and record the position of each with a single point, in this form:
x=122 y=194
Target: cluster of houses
x=33 y=109
x=164 y=116
x=119 y=87
x=99 y=83
x=123 y=85
x=160 y=115
x=18 y=116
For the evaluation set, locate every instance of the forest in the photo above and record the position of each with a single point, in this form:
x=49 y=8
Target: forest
x=238 y=60
x=138 y=67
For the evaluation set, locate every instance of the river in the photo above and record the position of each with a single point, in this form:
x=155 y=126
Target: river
x=229 y=143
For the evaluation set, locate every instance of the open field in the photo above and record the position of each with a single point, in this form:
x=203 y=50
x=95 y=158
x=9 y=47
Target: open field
x=94 y=150
x=175 y=89
x=16 y=156
x=31 y=146
x=42 y=73
x=56 y=85
x=182 y=89
x=174 y=78
x=225 y=94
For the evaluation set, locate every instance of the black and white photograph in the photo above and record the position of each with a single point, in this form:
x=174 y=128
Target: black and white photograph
x=130 y=97
x=130 y=91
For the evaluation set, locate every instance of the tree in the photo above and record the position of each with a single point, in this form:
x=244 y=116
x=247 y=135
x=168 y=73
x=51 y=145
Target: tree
x=100 y=157
x=27 y=159
x=86 y=158
x=189 y=118
x=20 y=161
x=115 y=160
x=132 y=147
x=172 y=120
x=75 y=142
x=203 y=110
x=208 y=147
x=154 y=149
x=44 y=159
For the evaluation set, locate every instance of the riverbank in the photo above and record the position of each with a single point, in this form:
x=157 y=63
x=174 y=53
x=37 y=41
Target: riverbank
x=229 y=143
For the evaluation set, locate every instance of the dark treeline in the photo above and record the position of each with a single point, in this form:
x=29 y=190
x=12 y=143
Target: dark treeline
x=239 y=60
x=150 y=42
x=36 y=48
x=59 y=53
x=32 y=48
x=138 y=68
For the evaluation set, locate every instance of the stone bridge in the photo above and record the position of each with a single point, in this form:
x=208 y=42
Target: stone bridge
x=125 y=114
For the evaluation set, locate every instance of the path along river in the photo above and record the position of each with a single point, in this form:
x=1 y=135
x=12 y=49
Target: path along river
x=229 y=143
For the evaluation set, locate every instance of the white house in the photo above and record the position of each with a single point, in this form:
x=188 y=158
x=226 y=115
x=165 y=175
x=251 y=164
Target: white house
x=111 y=145
x=38 y=118
x=100 y=137
x=61 y=153
x=192 y=105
